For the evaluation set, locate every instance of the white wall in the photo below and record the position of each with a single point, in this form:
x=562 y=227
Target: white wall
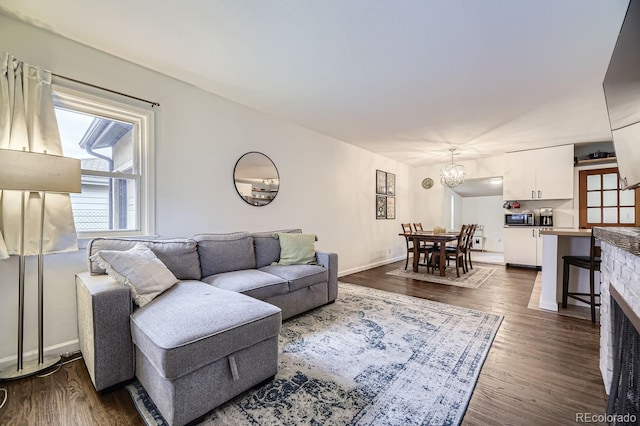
x=327 y=186
x=486 y=211
x=428 y=205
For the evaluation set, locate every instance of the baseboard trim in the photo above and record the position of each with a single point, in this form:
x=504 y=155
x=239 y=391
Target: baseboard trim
x=59 y=349
x=549 y=306
x=370 y=266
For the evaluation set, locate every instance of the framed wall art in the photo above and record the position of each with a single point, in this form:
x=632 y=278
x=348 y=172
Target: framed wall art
x=381 y=182
x=385 y=195
x=391 y=184
x=391 y=207
x=381 y=207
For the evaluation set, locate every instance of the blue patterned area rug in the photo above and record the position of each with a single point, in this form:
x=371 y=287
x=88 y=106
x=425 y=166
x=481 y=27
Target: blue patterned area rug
x=370 y=358
x=472 y=279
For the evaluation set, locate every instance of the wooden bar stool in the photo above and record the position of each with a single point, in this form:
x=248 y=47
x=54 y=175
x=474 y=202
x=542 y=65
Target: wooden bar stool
x=592 y=263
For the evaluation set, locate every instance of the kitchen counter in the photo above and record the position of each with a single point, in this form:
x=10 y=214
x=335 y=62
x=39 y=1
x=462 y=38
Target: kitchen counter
x=567 y=232
x=558 y=242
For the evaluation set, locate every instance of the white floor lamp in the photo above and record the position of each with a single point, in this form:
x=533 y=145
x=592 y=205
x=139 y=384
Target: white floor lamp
x=33 y=172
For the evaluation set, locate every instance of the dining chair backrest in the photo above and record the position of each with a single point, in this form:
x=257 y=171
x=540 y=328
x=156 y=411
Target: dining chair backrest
x=418 y=227
x=406 y=228
x=462 y=237
x=470 y=231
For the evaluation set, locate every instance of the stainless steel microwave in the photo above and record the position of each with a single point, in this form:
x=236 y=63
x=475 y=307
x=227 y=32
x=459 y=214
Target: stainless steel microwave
x=519 y=219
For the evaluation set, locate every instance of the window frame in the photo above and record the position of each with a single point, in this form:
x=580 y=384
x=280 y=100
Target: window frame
x=582 y=199
x=143 y=121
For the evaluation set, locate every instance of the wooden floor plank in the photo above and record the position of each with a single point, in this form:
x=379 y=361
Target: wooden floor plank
x=541 y=370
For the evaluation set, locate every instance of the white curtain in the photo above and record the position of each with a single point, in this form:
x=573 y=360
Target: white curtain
x=28 y=122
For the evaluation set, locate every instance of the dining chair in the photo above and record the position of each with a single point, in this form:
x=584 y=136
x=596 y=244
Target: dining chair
x=418 y=228
x=592 y=263
x=453 y=253
x=406 y=229
x=471 y=229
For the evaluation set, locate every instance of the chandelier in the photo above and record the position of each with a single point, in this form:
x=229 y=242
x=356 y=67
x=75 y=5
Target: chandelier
x=452 y=174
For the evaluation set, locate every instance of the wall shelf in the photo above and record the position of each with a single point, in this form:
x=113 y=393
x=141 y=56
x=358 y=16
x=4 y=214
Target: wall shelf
x=595 y=161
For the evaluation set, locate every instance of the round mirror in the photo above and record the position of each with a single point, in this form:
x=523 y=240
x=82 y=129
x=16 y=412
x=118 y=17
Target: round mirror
x=256 y=179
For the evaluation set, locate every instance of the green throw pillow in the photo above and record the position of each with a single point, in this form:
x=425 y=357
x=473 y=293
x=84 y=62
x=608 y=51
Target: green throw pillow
x=297 y=249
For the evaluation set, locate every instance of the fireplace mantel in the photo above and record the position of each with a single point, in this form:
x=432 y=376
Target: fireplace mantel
x=620 y=269
x=627 y=239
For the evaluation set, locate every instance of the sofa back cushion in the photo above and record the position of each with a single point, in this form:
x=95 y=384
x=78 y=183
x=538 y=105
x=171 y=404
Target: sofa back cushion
x=267 y=247
x=180 y=255
x=225 y=252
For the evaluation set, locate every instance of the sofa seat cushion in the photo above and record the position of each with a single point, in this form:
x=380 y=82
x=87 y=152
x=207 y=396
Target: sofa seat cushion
x=251 y=282
x=299 y=276
x=194 y=324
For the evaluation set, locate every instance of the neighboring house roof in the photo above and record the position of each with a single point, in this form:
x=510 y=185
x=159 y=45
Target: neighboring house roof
x=103 y=133
x=94 y=164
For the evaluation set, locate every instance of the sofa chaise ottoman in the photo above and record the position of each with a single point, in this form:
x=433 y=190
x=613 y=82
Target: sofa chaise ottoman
x=210 y=336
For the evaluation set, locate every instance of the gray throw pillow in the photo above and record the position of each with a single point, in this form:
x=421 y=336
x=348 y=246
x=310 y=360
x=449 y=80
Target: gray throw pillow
x=139 y=269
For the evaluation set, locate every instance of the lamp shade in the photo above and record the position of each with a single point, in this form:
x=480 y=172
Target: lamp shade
x=31 y=171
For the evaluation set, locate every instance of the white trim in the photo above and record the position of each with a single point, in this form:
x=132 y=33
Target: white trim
x=110 y=174
x=551 y=307
x=63 y=348
x=144 y=154
x=370 y=266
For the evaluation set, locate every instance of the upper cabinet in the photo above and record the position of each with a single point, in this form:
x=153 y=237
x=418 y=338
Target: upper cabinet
x=539 y=174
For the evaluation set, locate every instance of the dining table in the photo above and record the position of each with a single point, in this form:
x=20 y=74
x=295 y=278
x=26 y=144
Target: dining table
x=430 y=237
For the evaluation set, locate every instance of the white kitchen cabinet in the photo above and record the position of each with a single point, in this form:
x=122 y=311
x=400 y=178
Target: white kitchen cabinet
x=519 y=175
x=539 y=174
x=538 y=247
x=625 y=141
x=523 y=246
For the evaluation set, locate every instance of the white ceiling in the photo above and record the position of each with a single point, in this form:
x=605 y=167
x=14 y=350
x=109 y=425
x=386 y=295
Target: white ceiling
x=406 y=79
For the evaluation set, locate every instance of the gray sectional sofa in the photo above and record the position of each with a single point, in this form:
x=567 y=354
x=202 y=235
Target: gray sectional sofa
x=212 y=335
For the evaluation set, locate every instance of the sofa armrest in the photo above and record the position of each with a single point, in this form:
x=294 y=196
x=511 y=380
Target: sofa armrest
x=104 y=330
x=330 y=261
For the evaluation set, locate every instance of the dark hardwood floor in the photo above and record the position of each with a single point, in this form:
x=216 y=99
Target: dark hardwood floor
x=541 y=370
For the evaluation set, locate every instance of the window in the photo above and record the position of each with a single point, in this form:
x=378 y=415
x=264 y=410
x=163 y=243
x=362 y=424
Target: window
x=453 y=212
x=603 y=202
x=114 y=143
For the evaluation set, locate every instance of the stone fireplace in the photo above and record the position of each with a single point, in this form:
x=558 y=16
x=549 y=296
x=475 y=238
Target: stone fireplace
x=620 y=280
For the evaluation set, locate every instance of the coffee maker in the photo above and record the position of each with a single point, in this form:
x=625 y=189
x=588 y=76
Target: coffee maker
x=546 y=216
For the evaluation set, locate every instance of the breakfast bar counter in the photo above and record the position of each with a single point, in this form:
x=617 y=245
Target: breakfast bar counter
x=558 y=242
x=566 y=232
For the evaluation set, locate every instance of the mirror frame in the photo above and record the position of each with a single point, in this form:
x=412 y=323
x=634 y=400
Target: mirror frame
x=235 y=180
